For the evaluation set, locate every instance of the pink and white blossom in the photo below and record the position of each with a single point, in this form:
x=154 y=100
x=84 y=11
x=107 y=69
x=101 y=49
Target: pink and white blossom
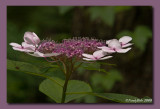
x=32 y=47
x=97 y=55
x=119 y=46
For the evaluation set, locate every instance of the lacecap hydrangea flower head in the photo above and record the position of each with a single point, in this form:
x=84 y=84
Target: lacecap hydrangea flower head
x=84 y=48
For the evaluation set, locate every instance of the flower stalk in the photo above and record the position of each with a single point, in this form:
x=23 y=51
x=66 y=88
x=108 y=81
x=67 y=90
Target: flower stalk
x=65 y=89
x=68 y=73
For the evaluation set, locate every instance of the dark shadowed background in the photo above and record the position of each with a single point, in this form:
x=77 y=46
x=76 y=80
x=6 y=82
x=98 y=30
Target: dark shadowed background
x=133 y=71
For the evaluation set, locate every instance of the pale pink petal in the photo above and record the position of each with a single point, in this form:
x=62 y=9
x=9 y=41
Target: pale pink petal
x=125 y=39
x=127 y=45
x=98 y=54
x=89 y=59
x=36 y=54
x=28 y=47
x=39 y=54
x=108 y=50
x=22 y=49
x=24 y=44
x=114 y=43
x=107 y=41
x=102 y=47
x=107 y=57
x=15 y=45
x=51 y=54
x=88 y=56
x=31 y=38
x=123 y=50
x=28 y=37
x=36 y=38
x=18 y=49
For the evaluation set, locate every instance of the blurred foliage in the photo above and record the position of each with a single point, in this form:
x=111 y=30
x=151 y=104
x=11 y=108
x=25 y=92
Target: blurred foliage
x=140 y=36
x=122 y=8
x=104 y=22
x=106 y=81
x=65 y=9
x=106 y=14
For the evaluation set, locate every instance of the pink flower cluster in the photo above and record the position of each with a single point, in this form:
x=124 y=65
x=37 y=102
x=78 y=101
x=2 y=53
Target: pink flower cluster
x=75 y=47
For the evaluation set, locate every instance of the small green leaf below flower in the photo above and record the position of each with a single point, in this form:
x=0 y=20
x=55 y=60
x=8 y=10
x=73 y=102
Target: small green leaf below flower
x=51 y=89
x=77 y=86
x=54 y=91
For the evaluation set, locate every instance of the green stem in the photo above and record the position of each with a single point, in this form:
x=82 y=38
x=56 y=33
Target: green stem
x=64 y=90
x=68 y=71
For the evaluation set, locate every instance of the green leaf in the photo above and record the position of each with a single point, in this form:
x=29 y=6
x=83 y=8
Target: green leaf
x=54 y=91
x=121 y=98
x=90 y=99
x=142 y=34
x=38 y=68
x=65 y=9
x=21 y=66
x=51 y=89
x=27 y=68
x=146 y=99
x=87 y=99
x=106 y=14
x=77 y=87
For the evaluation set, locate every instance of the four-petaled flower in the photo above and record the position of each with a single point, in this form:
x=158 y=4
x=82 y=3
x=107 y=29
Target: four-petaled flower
x=115 y=45
x=31 y=44
x=97 y=55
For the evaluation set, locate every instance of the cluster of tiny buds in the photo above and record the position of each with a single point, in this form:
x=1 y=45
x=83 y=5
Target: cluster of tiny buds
x=76 y=46
x=46 y=46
